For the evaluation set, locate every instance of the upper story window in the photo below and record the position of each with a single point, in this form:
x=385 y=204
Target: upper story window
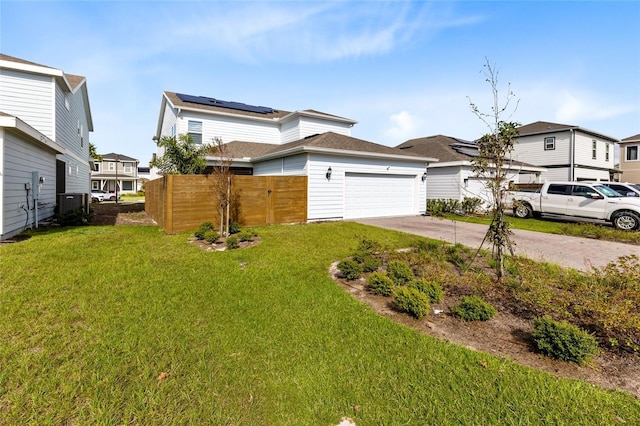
x=594 y=149
x=195 y=130
x=606 y=152
x=549 y=143
x=96 y=166
x=112 y=166
x=631 y=153
x=128 y=168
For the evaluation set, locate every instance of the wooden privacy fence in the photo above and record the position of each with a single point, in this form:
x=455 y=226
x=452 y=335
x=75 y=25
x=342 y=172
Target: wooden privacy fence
x=181 y=203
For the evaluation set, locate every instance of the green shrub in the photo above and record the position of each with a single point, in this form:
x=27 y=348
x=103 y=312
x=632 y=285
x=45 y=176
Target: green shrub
x=563 y=341
x=440 y=207
x=412 y=301
x=75 y=217
x=400 y=272
x=473 y=308
x=350 y=269
x=246 y=236
x=471 y=205
x=380 y=283
x=431 y=289
x=204 y=227
x=211 y=236
x=234 y=228
x=369 y=263
x=232 y=242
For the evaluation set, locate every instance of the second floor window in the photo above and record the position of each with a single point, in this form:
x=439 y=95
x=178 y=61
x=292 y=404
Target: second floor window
x=594 y=149
x=127 y=167
x=112 y=166
x=195 y=130
x=96 y=167
x=632 y=153
x=606 y=152
x=549 y=143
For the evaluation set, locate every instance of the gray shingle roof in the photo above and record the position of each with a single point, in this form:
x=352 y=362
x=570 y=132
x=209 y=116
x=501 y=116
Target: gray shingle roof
x=114 y=156
x=632 y=138
x=335 y=141
x=542 y=127
x=438 y=146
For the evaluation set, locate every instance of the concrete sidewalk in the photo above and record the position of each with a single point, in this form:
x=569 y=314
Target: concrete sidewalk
x=573 y=252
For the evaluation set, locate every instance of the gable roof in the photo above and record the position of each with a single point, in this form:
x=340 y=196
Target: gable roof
x=542 y=127
x=337 y=144
x=69 y=83
x=117 y=157
x=452 y=150
x=635 y=138
x=272 y=115
x=439 y=146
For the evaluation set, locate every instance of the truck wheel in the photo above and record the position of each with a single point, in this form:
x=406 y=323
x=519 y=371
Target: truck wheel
x=626 y=221
x=522 y=211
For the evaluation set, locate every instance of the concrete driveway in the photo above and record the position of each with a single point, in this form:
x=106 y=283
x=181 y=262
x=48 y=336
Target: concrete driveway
x=573 y=252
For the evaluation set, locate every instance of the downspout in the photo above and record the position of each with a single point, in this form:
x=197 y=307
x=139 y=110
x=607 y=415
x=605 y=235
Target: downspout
x=572 y=154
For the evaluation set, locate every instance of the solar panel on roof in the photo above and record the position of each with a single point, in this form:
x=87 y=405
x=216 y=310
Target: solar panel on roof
x=203 y=100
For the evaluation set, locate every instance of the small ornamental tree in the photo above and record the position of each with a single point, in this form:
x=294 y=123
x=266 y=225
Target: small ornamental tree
x=492 y=163
x=181 y=156
x=222 y=182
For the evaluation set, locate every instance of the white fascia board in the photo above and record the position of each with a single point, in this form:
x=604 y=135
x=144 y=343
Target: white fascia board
x=451 y=164
x=342 y=153
x=12 y=122
x=37 y=69
x=245 y=161
x=311 y=114
x=163 y=105
x=465 y=163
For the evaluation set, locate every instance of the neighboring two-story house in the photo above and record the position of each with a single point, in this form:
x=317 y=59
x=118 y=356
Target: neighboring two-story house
x=116 y=173
x=347 y=177
x=630 y=159
x=45 y=120
x=567 y=152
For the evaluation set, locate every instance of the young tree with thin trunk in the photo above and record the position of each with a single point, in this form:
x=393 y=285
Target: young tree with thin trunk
x=222 y=182
x=492 y=163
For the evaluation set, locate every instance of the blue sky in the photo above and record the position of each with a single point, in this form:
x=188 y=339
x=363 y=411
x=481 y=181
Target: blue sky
x=401 y=69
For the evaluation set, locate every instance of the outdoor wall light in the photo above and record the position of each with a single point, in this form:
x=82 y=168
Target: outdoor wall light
x=424 y=177
x=328 y=175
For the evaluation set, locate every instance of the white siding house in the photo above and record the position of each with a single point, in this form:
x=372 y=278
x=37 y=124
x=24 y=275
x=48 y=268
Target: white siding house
x=567 y=152
x=453 y=177
x=347 y=177
x=351 y=178
x=46 y=121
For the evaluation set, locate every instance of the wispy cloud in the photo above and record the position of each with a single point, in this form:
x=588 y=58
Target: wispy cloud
x=311 y=32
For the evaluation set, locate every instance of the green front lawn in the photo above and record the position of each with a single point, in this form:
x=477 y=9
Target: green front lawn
x=92 y=317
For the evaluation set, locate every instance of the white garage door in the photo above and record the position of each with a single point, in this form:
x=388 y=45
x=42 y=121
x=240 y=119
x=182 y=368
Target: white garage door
x=373 y=195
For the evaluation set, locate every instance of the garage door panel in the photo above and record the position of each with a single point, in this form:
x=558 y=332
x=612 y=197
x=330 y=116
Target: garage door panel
x=378 y=195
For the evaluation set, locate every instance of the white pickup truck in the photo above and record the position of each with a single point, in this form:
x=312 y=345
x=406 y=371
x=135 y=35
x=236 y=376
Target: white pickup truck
x=589 y=200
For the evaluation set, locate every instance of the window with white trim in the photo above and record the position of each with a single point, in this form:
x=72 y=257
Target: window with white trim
x=631 y=153
x=95 y=184
x=550 y=143
x=127 y=185
x=127 y=167
x=606 y=152
x=594 y=149
x=195 y=130
x=96 y=167
x=112 y=166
